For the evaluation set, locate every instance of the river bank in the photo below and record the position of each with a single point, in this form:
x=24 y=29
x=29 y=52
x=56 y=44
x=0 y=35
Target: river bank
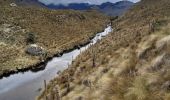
x=41 y=64
x=54 y=31
x=29 y=84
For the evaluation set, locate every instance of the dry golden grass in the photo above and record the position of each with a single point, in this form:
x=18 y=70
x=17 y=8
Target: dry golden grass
x=54 y=30
x=137 y=59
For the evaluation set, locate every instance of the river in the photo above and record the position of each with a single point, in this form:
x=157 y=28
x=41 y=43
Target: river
x=28 y=85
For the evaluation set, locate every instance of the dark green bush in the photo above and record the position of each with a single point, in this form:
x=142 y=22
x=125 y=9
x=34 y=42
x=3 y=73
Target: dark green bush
x=30 y=38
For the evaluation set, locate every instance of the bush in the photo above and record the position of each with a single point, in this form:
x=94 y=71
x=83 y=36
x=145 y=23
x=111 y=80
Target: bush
x=113 y=18
x=158 y=24
x=30 y=39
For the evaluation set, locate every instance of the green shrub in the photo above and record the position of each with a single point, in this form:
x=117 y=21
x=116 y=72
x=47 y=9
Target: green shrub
x=30 y=39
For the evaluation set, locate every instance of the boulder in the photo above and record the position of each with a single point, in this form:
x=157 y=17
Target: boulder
x=35 y=50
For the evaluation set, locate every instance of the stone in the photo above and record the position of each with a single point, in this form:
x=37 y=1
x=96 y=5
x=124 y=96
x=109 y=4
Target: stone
x=13 y=5
x=35 y=50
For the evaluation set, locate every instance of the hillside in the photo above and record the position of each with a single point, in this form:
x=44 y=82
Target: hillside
x=24 y=3
x=29 y=36
x=29 y=3
x=132 y=63
x=115 y=9
x=108 y=8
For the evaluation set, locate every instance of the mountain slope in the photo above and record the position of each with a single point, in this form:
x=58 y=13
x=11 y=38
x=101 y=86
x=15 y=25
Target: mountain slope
x=75 y=6
x=30 y=36
x=112 y=9
x=31 y=3
x=132 y=63
x=24 y=3
x=115 y=9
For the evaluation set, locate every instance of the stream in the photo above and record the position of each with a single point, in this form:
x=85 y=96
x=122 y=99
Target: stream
x=28 y=85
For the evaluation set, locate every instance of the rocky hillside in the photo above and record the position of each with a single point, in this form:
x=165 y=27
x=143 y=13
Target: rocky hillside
x=31 y=35
x=132 y=63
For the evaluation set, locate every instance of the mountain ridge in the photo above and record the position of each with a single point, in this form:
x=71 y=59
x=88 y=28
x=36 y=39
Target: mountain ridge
x=108 y=8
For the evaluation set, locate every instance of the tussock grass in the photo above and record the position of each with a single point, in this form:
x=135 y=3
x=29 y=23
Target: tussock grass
x=139 y=90
x=53 y=30
x=138 y=45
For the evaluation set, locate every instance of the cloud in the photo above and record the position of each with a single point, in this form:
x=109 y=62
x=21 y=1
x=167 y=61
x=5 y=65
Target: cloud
x=66 y=2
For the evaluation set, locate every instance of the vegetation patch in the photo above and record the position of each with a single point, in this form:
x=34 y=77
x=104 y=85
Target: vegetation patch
x=135 y=54
x=32 y=35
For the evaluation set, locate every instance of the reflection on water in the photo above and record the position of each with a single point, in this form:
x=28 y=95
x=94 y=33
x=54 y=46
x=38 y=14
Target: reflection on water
x=27 y=85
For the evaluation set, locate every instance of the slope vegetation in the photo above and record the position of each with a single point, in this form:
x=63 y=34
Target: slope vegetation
x=108 y=8
x=45 y=32
x=132 y=63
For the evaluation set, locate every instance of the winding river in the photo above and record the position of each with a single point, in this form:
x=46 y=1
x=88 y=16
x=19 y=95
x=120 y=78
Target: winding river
x=28 y=85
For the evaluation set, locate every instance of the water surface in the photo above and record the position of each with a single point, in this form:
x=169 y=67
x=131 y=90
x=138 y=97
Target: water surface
x=27 y=85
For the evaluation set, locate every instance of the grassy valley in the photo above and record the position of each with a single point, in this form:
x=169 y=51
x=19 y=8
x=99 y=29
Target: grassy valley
x=131 y=63
x=48 y=32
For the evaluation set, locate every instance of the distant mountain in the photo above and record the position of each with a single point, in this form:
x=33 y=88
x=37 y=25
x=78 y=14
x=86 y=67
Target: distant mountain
x=108 y=8
x=34 y=3
x=75 y=6
x=115 y=8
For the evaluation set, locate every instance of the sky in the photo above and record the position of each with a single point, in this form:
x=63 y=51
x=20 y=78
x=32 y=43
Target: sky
x=66 y=2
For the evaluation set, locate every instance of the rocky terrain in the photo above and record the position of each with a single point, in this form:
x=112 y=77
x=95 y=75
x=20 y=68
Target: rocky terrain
x=132 y=63
x=31 y=35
